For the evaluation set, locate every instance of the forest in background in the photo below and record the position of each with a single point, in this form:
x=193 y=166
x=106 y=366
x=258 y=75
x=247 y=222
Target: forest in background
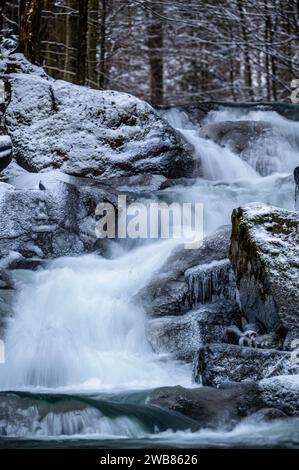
x=163 y=51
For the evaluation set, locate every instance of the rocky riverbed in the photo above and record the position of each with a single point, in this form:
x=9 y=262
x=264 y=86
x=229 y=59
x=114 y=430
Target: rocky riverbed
x=137 y=315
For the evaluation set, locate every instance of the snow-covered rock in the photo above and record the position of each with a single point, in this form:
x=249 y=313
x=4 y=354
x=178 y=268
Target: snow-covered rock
x=5 y=146
x=265 y=257
x=5 y=151
x=217 y=364
x=281 y=392
x=192 y=277
x=182 y=336
x=54 y=221
x=57 y=125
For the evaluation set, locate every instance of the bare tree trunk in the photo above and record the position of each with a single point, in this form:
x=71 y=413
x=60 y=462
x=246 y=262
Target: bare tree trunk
x=267 y=56
x=247 y=64
x=272 y=36
x=29 y=24
x=155 y=50
x=93 y=33
x=102 y=64
x=1 y=17
x=69 y=31
x=82 y=42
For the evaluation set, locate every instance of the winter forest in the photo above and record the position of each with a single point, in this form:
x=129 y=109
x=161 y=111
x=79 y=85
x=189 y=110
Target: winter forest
x=149 y=230
x=164 y=51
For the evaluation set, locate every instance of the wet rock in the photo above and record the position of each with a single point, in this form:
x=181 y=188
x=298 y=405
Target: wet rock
x=183 y=335
x=93 y=133
x=264 y=254
x=265 y=415
x=296 y=177
x=236 y=135
x=7 y=287
x=269 y=341
x=281 y=392
x=6 y=312
x=24 y=414
x=5 y=151
x=258 y=143
x=197 y=113
x=191 y=277
x=208 y=406
x=39 y=224
x=220 y=363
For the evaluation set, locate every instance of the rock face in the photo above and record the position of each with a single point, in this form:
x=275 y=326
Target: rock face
x=217 y=364
x=196 y=113
x=236 y=135
x=209 y=407
x=246 y=138
x=83 y=132
x=56 y=221
x=296 y=177
x=192 y=298
x=191 y=277
x=183 y=335
x=281 y=392
x=264 y=254
x=251 y=403
x=6 y=297
x=5 y=151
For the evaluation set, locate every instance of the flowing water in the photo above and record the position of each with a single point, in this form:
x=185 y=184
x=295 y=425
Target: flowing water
x=78 y=367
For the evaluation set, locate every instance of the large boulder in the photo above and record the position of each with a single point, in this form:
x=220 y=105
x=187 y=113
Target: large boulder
x=53 y=218
x=57 y=125
x=183 y=335
x=259 y=143
x=191 y=277
x=264 y=254
x=5 y=151
x=250 y=403
x=211 y=408
x=217 y=364
x=236 y=135
x=281 y=392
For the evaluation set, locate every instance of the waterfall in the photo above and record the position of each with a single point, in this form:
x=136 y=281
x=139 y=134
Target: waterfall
x=78 y=327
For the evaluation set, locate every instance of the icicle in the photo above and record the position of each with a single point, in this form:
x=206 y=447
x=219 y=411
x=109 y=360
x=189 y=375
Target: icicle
x=209 y=282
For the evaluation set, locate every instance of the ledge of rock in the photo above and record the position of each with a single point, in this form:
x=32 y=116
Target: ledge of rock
x=183 y=335
x=5 y=151
x=210 y=407
x=218 y=364
x=236 y=135
x=55 y=217
x=6 y=298
x=264 y=254
x=57 y=125
x=191 y=277
x=281 y=392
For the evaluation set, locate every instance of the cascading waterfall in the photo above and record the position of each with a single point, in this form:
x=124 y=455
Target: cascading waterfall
x=77 y=327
